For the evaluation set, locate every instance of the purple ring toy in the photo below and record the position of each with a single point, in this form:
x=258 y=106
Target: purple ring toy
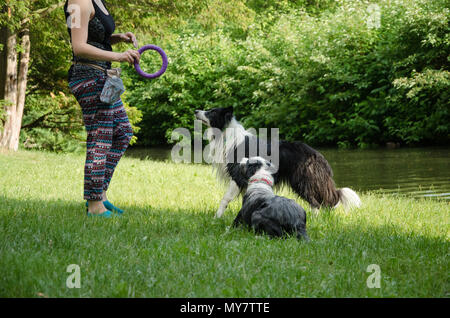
x=164 y=59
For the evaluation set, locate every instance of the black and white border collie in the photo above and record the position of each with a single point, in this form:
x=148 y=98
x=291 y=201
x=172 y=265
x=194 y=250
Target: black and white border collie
x=264 y=211
x=301 y=167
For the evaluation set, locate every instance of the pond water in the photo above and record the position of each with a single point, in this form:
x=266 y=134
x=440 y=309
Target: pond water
x=418 y=172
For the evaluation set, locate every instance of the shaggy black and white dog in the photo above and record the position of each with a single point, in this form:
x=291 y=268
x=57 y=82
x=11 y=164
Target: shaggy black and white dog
x=301 y=167
x=262 y=209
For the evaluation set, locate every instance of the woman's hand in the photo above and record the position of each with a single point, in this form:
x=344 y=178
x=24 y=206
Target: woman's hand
x=130 y=38
x=130 y=56
x=124 y=37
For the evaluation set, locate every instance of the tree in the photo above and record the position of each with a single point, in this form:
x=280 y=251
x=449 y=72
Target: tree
x=15 y=17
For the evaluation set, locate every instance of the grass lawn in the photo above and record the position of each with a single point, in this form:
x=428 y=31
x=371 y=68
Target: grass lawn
x=169 y=245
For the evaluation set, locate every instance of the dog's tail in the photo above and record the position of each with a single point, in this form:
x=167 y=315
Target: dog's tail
x=348 y=198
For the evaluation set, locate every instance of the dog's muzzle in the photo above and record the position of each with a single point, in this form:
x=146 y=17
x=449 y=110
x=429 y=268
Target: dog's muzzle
x=200 y=115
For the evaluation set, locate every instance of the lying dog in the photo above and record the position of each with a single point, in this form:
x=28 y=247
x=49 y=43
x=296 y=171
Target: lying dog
x=301 y=167
x=264 y=211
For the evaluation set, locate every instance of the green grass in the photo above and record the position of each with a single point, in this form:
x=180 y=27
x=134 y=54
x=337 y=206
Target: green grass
x=169 y=244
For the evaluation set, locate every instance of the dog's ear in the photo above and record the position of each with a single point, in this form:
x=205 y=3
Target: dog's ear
x=229 y=110
x=229 y=113
x=272 y=168
x=243 y=165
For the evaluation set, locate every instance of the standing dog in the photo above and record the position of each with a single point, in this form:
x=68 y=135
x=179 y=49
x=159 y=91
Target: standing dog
x=301 y=167
x=265 y=211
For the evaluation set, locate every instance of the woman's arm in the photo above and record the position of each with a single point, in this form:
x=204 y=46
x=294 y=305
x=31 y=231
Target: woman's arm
x=81 y=48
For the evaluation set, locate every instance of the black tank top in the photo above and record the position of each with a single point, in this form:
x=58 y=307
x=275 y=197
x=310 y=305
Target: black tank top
x=100 y=29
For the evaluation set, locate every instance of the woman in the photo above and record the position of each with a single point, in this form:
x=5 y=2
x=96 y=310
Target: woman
x=91 y=29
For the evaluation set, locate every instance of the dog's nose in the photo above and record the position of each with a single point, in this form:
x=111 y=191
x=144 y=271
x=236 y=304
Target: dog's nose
x=196 y=111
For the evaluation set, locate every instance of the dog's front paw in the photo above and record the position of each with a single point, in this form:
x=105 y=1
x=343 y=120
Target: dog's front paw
x=218 y=215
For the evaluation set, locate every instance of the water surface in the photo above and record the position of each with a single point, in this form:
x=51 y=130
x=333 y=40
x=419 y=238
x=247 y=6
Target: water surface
x=418 y=172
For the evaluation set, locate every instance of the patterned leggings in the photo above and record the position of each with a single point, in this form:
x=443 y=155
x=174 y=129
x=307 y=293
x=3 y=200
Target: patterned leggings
x=108 y=135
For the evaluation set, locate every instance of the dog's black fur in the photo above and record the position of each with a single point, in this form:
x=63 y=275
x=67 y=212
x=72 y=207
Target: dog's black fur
x=266 y=212
x=301 y=167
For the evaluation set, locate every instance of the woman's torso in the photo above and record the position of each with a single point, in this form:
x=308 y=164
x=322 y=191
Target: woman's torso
x=100 y=29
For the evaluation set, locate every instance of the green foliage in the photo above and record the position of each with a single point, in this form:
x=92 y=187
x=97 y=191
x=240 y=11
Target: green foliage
x=423 y=103
x=311 y=6
x=135 y=117
x=11 y=18
x=328 y=79
x=13 y=12
x=315 y=69
x=168 y=102
x=51 y=54
x=54 y=122
x=51 y=122
x=165 y=18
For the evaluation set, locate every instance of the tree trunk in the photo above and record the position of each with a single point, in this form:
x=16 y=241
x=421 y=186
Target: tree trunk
x=10 y=90
x=21 y=89
x=13 y=86
x=3 y=41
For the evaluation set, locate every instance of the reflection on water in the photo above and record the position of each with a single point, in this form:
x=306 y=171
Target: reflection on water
x=420 y=172
x=415 y=171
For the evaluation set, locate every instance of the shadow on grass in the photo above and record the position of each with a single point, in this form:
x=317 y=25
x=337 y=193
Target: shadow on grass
x=155 y=252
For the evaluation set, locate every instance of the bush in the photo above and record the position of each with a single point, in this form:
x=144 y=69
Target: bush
x=329 y=78
x=54 y=122
x=197 y=63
